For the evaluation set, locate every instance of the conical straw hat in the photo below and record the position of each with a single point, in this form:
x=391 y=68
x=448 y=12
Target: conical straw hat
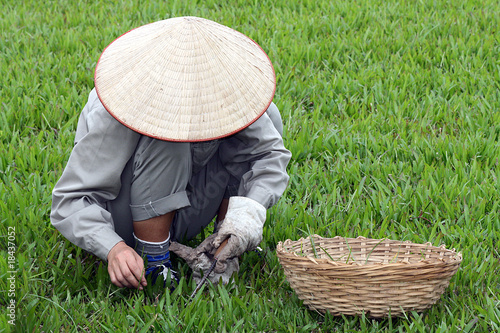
x=185 y=79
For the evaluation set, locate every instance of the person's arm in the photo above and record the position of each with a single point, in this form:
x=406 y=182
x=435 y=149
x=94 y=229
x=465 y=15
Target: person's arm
x=91 y=178
x=257 y=156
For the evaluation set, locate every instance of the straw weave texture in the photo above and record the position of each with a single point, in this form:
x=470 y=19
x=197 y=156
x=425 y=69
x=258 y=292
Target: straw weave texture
x=185 y=79
x=378 y=277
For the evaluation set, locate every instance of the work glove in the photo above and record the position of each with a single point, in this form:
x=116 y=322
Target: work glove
x=200 y=261
x=243 y=225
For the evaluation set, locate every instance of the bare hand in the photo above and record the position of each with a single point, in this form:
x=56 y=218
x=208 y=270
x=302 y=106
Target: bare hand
x=126 y=267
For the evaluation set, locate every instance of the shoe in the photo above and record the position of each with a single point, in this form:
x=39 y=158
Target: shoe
x=163 y=268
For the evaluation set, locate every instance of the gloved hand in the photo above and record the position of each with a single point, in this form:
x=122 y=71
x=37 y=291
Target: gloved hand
x=243 y=225
x=207 y=246
x=200 y=260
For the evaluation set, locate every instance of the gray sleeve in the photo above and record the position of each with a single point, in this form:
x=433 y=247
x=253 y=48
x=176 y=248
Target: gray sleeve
x=91 y=178
x=257 y=156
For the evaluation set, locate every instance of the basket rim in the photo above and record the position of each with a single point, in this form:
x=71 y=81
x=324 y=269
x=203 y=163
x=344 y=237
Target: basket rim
x=454 y=256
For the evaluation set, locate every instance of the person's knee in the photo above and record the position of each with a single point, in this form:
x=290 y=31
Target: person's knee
x=161 y=173
x=155 y=156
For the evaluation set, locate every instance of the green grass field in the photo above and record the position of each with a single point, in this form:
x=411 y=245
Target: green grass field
x=392 y=113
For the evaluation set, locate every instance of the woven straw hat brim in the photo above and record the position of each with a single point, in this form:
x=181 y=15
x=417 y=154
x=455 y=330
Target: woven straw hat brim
x=185 y=79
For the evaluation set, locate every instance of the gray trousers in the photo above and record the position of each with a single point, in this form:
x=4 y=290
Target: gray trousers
x=170 y=176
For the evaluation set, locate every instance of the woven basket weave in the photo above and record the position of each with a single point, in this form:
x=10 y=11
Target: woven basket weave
x=378 y=277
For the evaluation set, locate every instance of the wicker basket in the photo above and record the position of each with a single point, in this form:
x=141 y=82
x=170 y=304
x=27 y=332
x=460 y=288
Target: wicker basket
x=352 y=276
